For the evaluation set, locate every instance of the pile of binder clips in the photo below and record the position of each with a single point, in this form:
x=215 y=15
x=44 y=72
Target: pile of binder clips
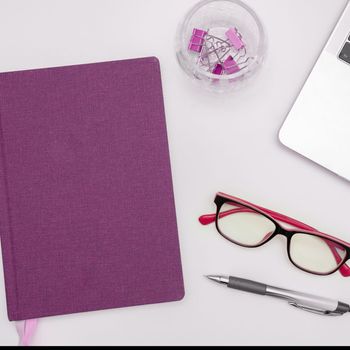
x=217 y=55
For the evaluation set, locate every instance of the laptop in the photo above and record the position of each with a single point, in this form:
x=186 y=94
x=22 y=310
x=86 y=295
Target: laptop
x=318 y=125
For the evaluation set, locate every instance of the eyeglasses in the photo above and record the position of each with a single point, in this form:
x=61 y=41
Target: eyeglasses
x=252 y=226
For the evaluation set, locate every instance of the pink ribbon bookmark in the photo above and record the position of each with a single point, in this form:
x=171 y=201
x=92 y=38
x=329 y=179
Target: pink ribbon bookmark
x=26 y=331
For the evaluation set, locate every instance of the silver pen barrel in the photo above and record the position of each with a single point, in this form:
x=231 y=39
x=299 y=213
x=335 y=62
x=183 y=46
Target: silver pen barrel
x=304 y=300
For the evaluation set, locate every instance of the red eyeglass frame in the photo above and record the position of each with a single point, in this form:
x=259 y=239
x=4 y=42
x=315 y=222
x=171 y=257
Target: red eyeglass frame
x=276 y=218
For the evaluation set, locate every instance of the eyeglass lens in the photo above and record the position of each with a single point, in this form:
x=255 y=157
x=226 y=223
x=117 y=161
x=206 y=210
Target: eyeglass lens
x=244 y=226
x=315 y=254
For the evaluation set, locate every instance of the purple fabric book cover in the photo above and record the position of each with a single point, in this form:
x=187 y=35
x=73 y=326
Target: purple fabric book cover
x=87 y=214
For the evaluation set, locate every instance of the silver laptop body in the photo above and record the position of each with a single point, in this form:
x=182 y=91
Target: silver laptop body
x=318 y=125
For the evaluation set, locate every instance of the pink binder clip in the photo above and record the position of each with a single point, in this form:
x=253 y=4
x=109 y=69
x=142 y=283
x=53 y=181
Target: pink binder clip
x=218 y=69
x=197 y=40
x=235 y=38
x=231 y=66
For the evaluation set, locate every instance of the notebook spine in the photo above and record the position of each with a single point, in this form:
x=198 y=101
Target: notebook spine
x=6 y=234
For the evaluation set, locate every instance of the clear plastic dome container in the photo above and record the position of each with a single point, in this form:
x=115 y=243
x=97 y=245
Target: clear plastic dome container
x=220 y=44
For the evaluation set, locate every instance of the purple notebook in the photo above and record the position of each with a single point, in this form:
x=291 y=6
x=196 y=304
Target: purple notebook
x=87 y=213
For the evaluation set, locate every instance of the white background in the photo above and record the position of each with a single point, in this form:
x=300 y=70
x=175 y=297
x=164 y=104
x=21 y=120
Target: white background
x=217 y=143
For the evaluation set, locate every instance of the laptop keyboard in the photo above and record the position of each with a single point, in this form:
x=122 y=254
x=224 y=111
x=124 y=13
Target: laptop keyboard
x=345 y=53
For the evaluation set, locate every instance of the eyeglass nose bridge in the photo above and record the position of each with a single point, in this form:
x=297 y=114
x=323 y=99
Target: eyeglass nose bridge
x=283 y=232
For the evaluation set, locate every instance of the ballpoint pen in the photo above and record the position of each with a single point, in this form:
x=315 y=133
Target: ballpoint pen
x=303 y=301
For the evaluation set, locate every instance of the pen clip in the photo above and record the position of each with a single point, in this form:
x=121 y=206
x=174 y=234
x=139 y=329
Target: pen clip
x=314 y=310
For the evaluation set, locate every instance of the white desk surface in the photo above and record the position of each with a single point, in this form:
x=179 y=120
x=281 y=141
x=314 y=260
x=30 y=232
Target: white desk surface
x=217 y=143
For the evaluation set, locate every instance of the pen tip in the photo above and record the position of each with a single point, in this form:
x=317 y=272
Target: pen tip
x=218 y=279
x=213 y=278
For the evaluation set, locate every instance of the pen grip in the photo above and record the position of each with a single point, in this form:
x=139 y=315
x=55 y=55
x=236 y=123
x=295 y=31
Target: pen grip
x=247 y=286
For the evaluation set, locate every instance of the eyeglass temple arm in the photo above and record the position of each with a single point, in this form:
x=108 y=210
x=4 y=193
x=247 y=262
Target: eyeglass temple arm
x=211 y=218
